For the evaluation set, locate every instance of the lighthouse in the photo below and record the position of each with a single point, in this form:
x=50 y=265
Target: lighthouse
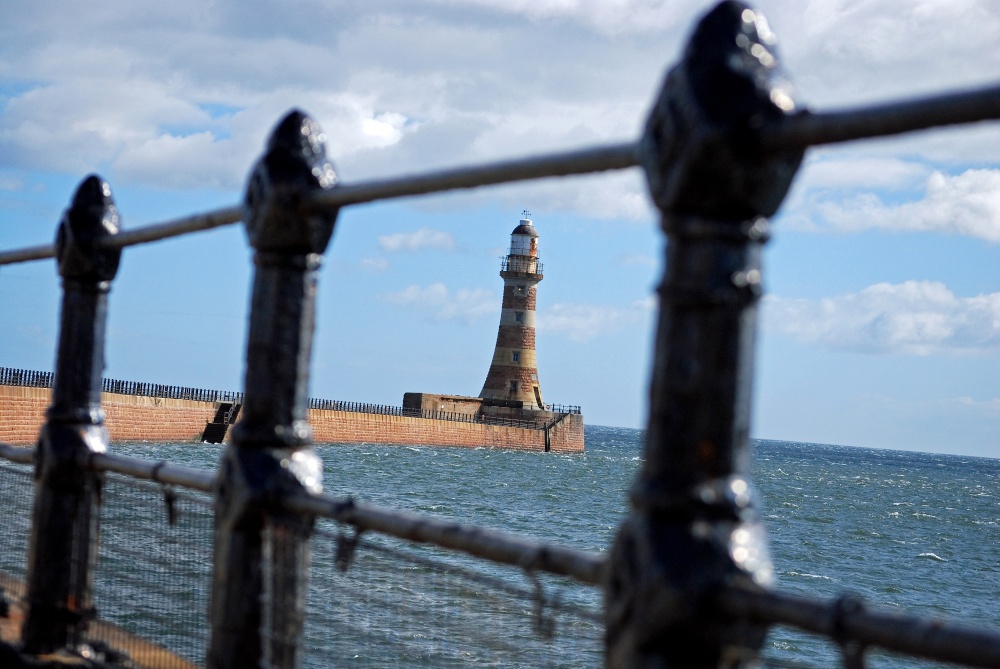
x=513 y=375
x=511 y=397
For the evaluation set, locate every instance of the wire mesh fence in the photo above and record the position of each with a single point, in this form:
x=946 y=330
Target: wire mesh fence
x=154 y=571
x=17 y=492
x=375 y=602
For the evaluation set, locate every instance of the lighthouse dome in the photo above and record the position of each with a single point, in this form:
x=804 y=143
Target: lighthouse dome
x=526 y=228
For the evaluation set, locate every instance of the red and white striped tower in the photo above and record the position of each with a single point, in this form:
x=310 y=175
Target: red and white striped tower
x=513 y=373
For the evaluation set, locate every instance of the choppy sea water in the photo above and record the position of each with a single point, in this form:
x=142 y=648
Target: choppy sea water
x=909 y=532
x=906 y=531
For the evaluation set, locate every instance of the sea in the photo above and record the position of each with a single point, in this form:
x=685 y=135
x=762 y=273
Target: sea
x=907 y=532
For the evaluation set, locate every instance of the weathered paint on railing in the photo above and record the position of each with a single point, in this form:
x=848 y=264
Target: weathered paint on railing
x=64 y=523
x=261 y=550
x=692 y=527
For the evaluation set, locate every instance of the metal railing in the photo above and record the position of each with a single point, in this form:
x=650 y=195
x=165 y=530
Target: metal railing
x=36 y=379
x=517 y=264
x=563 y=408
x=152 y=578
x=454 y=416
x=686 y=580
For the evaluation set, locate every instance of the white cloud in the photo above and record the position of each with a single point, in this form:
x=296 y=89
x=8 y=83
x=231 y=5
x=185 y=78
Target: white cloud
x=967 y=204
x=375 y=264
x=845 y=50
x=11 y=184
x=582 y=322
x=640 y=259
x=397 y=87
x=402 y=87
x=620 y=195
x=864 y=172
x=442 y=304
x=915 y=317
x=988 y=407
x=607 y=16
x=424 y=238
x=147 y=132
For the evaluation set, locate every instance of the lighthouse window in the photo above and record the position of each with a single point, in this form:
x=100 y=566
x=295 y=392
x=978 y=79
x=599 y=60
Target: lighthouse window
x=513 y=386
x=519 y=316
x=515 y=356
x=520 y=290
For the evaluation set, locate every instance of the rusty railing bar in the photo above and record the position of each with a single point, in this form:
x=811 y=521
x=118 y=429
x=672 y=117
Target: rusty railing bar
x=149 y=470
x=148 y=233
x=893 y=118
x=27 y=254
x=180 y=226
x=929 y=638
x=20 y=455
x=602 y=158
x=586 y=567
x=583 y=161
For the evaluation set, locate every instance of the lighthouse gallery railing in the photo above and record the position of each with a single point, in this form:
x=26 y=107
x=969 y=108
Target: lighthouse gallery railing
x=685 y=582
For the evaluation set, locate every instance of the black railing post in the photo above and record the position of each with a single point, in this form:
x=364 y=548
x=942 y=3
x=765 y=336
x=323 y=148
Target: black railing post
x=262 y=551
x=64 y=528
x=692 y=527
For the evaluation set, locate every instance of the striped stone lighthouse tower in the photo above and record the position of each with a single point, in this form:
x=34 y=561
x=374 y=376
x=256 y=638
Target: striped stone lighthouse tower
x=513 y=373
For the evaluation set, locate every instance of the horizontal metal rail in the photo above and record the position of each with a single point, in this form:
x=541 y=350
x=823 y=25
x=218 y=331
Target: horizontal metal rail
x=846 y=620
x=501 y=547
x=612 y=157
x=795 y=132
x=148 y=233
x=585 y=161
x=894 y=118
x=149 y=470
x=20 y=455
x=160 y=472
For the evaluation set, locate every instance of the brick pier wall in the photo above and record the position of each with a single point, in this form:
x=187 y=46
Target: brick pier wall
x=345 y=427
x=566 y=436
x=131 y=418
x=128 y=417
x=22 y=412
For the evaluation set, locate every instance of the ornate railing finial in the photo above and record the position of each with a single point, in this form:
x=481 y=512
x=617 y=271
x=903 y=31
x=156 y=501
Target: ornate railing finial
x=700 y=150
x=261 y=549
x=692 y=528
x=66 y=514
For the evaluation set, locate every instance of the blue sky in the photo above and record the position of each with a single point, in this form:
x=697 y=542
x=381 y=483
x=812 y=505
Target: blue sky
x=882 y=323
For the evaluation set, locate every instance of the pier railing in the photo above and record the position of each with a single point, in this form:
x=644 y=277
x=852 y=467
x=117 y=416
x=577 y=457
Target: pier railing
x=37 y=379
x=686 y=582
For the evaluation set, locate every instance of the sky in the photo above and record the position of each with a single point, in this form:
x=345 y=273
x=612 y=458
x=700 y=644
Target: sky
x=881 y=325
